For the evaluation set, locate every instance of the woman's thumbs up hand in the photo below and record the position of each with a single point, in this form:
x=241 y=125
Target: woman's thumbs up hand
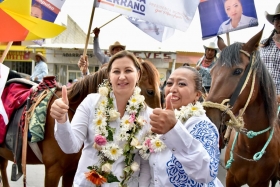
x=163 y=120
x=59 y=108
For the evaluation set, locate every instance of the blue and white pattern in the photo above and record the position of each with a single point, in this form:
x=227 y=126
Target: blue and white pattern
x=177 y=175
x=207 y=134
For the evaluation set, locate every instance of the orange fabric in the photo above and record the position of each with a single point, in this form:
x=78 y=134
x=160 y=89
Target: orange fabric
x=10 y=29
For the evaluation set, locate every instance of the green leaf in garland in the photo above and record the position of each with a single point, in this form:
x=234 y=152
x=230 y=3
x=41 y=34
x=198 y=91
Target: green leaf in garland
x=126 y=148
x=112 y=178
x=127 y=169
x=110 y=135
x=90 y=167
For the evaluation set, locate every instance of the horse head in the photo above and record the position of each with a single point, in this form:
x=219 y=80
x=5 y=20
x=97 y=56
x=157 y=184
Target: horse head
x=240 y=82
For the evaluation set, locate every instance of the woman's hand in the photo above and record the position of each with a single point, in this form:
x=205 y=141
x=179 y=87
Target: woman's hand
x=59 y=108
x=163 y=120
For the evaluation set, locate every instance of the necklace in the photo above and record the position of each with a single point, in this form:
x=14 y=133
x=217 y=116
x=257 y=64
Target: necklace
x=108 y=148
x=152 y=142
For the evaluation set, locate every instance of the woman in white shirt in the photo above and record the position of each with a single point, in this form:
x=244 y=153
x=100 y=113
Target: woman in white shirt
x=108 y=124
x=237 y=20
x=186 y=153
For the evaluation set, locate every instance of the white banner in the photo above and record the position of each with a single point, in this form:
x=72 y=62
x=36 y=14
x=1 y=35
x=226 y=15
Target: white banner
x=156 y=31
x=176 y=14
x=4 y=71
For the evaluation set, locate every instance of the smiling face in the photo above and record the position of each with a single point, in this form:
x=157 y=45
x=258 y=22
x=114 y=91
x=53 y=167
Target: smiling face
x=182 y=85
x=123 y=76
x=233 y=9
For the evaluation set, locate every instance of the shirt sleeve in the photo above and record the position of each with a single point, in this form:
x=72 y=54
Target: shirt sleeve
x=98 y=53
x=197 y=150
x=70 y=137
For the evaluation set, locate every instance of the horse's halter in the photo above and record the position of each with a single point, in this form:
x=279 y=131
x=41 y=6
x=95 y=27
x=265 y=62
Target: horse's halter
x=227 y=104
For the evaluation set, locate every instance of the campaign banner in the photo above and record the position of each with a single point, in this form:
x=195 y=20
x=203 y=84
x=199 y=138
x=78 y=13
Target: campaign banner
x=220 y=16
x=177 y=15
x=46 y=10
x=156 y=31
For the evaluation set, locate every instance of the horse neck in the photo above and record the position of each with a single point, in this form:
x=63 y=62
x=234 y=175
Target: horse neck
x=256 y=119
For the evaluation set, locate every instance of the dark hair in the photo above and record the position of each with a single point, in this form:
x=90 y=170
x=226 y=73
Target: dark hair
x=267 y=42
x=127 y=54
x=196 y=77
x=70 y=80
x=186 y=64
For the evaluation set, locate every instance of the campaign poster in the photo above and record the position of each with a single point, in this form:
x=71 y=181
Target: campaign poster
x=222 y=16
x=46 y=10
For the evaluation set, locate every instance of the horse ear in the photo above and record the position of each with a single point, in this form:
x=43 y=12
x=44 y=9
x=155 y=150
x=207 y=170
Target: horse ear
x=221 y=43
x=253 y=43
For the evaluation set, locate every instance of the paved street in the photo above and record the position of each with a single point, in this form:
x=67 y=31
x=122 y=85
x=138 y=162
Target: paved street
x=35 y=175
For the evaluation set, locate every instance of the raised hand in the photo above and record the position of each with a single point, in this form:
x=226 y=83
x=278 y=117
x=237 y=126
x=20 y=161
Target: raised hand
x=96 y=32
x=163 y=120
x=83 y=64
x=59 y=108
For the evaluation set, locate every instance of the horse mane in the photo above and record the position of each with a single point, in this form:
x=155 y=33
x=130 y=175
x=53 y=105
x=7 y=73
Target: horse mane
x=88 y=84
x=150 y=71
x=230 y=56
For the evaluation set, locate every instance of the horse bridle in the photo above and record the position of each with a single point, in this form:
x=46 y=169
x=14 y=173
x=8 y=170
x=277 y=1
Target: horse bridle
x=227 y=104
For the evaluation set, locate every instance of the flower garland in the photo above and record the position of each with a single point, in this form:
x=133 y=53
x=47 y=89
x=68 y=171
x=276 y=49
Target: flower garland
x=152 y=142
x=109 y=149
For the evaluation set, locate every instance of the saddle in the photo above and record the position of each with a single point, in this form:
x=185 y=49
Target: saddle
x=14 y=135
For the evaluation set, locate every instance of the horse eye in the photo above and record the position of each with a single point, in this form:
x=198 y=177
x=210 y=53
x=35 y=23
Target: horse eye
x=150 y=92
x=237 y=71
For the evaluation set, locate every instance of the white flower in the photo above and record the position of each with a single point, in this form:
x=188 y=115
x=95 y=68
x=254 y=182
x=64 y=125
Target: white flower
x=143 y=153
x=97 y=147
x=123 y=136
x=112 y=151
x=103 y=91
x=125 y=123
x=100 y=113
x=157 y=144
x=140 y=121
x=103 y=102
x=134 y=166
x=100 y=122
x=137 y=90
x=114 y=115
x=134 y=142
x=106 y=167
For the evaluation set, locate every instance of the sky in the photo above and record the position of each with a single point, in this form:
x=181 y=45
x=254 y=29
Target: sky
x=123 y=31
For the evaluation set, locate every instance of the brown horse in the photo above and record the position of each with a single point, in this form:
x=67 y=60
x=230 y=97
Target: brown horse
x=56 y=162
x=243 y=95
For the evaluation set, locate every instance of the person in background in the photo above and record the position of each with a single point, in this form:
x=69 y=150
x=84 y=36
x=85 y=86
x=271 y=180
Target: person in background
x=205 y=64
x=237 y=19
x=109 y=141
x=183 y=147
x=41 y=67
x=270 y=49
x=70 y=82
x=102 y=58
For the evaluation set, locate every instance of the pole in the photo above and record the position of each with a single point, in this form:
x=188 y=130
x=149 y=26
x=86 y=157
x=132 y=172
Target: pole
x=228 y=39
x=109 y=21
x=83 y=69
x=6 y=52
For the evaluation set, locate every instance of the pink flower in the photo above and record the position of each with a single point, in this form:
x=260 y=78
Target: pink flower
x=132 y=118
x=100 y=140
x=149 y=145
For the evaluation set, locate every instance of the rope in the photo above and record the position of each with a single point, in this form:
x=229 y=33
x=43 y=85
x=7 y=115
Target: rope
x=230 y=161
x=257 y=156
x=252 y=134
x=235 y=123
